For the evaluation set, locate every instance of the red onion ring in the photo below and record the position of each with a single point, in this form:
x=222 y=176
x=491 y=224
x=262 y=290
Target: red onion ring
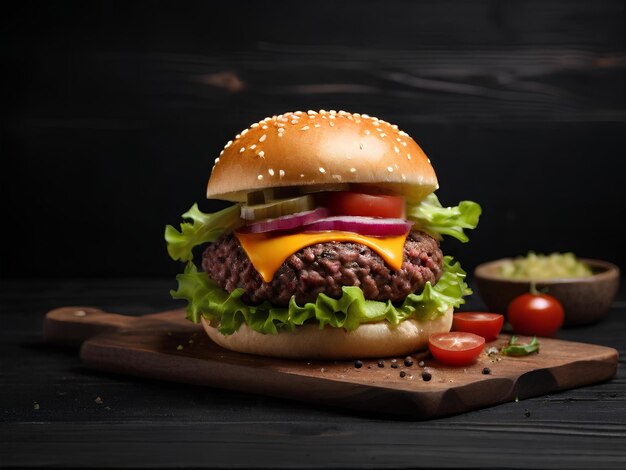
x=286 y=222
x=371 y=226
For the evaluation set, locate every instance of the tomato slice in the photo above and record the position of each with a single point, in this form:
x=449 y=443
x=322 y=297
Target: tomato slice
x=456 y=348
x=487 y=325
x=365 y=205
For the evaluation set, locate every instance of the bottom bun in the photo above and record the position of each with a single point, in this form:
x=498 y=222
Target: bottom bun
x=370 y=340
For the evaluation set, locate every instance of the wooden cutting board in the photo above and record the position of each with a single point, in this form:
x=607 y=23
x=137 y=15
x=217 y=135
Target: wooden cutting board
x=168 y=347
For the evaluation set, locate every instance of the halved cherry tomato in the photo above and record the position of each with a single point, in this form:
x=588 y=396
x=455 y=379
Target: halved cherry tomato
x=456 y=348
x=487 y=325
x=535 y=315
x=366 y=205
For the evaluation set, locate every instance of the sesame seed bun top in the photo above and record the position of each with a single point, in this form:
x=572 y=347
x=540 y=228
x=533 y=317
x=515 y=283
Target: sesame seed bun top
x=318 y=148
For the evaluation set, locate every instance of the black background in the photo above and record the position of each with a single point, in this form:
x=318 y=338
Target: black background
x=113 y=113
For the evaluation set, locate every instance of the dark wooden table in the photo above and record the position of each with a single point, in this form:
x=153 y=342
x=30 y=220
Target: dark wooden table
x=56 y=412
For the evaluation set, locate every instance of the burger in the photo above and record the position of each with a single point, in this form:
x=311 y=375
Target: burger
x=330 y=249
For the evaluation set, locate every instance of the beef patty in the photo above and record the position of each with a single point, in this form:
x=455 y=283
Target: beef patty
x=325 y=268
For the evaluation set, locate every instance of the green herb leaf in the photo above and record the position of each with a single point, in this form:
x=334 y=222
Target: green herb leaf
x=436 y=220
x=203 y=228
x=205 y=298
x=513 y=349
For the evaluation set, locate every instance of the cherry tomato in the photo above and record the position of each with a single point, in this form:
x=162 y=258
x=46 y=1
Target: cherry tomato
x=487 y=325
x=366 y=205
x=535 y=314
x=456 y=348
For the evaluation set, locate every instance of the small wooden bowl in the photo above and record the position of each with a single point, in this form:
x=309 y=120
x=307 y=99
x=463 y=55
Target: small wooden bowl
x=585 y=300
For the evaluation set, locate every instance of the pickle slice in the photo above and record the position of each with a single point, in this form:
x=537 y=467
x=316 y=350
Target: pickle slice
x=277 y=208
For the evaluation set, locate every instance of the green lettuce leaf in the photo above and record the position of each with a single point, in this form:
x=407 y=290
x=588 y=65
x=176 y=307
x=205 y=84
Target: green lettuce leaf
x=436 y=220
x=203 y=228
x=205 y=298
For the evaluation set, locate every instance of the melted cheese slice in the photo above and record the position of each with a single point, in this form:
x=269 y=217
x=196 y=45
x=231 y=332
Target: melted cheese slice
x=267 y=252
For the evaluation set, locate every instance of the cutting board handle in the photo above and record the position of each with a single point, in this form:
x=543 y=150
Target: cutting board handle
x=73 y=325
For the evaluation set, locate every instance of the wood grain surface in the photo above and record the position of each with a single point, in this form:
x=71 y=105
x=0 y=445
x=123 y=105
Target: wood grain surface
x=166 y=346
x=57 y=412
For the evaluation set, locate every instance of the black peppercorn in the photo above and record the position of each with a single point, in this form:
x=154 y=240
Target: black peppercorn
x=486 y=371
x=381 y=363
x=394 y=364
x=402 y=373
x=426 y=376
x=408 y=361
x=358 y=364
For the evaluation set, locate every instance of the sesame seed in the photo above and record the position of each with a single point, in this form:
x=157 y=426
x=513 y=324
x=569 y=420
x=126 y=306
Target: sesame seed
x=311 y=112
x=403 y=177
x=263 y=137
x=280 y=126
x=253 y=146
x=237 y=136
x=390 y=169
x=228 y=144
x=280 y=134
x=332 y=116
x=394 y=127
x=281 y=129
x=398 y=139
x=332 y=124
x=367 y=132
x=379 y=129
x=264 y=127
x=365 y=116
x=217 y=160
x=311 y=116
x=403 y=144
x=298 y=113
x=404 y=134
x=383 y=135
x=244 y=132
x=256 y=124
x=396 y=149
x=332 y=111
x=352 y=170
x=322 y=111
x=301 y=175
x=271 y=172
x=408 y=156
x=222 y=152
x=261 y=154
x=428 y=160
x=281 y=173
x=242 y=150
x=305 y=128
x=259 y=177
x=294 y=121
x=322 y=170
x=317 y=125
